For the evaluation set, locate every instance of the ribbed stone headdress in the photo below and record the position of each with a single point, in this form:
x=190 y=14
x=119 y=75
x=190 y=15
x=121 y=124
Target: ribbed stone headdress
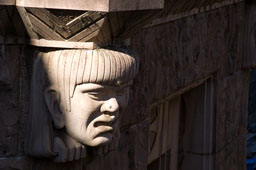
x=67 y=68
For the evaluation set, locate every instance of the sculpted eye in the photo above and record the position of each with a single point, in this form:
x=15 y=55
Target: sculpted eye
x=95 y=95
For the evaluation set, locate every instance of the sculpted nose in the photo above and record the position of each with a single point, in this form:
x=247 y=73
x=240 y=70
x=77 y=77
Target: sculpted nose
x=110 y=105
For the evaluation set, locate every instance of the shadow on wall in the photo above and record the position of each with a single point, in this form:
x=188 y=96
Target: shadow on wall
x=251 y=137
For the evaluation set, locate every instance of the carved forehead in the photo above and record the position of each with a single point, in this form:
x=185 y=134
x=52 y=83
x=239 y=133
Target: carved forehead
x=67 y=68
x=91 y=66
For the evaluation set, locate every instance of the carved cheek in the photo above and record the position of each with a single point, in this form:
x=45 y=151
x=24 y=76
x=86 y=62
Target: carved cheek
x=92 y=106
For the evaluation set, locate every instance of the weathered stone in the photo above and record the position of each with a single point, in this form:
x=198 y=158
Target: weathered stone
x=249 y=59
x=15 y=163
x=103 y=5
x=76 y=99
x=251 y=103
x=195 y=162
x=197 y=120
x=197 y=128
x=12 y=30
x=9 y=89
x=131 y=153
x=195 y=49
x=176 y=56
x=231 y=121
x=164 y=131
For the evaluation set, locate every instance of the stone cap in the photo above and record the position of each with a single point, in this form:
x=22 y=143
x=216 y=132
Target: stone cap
x=89 y=5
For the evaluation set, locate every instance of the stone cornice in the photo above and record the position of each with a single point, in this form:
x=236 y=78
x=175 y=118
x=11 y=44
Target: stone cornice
x=175 y=15
x=89 y=5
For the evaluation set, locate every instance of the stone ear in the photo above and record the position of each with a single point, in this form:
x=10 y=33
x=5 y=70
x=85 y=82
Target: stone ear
x=52 y=99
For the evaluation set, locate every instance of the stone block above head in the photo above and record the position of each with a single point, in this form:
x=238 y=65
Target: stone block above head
x=94 y=5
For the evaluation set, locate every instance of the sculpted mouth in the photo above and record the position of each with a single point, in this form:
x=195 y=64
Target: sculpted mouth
x=101 y=123
x=104 y=125
x=103 y=128
x=105 y=120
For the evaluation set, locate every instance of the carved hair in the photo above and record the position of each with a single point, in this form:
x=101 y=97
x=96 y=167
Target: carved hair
x=62 y=70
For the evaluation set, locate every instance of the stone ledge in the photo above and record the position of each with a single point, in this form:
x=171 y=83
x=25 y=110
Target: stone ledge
x=194 y=11
x=91 y=5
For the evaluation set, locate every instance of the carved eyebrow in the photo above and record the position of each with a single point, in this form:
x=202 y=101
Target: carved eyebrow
x=88 y=87
x=116 y=87
x=91 y=87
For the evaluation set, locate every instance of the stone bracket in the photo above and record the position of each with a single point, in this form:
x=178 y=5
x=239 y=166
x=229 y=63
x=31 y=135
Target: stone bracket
x=90 y=5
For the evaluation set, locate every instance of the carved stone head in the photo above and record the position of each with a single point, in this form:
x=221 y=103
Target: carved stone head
x=77 y=97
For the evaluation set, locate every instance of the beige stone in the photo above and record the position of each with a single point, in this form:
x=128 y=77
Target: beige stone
x=7 y=2
x=82 y=93
x=94 y=5
x=62 y=44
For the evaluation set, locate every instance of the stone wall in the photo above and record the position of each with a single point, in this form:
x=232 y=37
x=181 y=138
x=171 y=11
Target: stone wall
x=175 y=58
x=181 y=53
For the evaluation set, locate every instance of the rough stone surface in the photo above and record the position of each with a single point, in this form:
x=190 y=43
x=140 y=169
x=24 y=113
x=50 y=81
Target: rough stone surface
x=11 y=28
x=102 y=5
x=249 y=35
x=176 y=54
x=251 y=102
x=15 y=163
x=197 y=137
x=231 y=121
x=173 y=56
x=199 y=46
x=131 y=154
x=9 y=101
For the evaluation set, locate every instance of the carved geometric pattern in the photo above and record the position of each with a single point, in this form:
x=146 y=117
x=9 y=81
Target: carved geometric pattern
x=75 y=26
x=82 y=26
x=51 y=27
x=99 y=27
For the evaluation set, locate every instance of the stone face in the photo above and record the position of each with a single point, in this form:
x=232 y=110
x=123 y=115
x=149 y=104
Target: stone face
x=76 y=99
